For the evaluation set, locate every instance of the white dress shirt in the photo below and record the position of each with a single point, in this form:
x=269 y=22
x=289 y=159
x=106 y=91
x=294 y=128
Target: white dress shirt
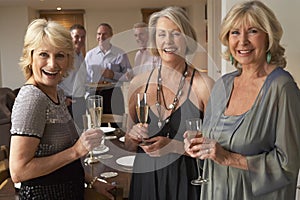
x=67 y=83
x=96 y=61
x=144 y=61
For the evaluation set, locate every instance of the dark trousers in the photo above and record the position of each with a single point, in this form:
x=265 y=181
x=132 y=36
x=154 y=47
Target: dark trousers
x=113 y=101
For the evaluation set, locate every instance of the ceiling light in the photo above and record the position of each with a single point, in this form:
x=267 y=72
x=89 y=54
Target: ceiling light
x=58 y=8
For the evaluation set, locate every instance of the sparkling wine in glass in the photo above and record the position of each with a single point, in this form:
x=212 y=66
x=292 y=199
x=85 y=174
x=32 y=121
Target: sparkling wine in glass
x=142 y=109
x=95 y=107
x=194 y=125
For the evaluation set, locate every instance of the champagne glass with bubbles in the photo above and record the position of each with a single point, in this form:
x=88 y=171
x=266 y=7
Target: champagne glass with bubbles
x=95 y=108
x=194 y=125
x=142 y=110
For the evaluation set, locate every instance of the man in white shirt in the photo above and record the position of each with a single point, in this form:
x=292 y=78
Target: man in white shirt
x=144 y=60
x=75 y=97
x=107 y=63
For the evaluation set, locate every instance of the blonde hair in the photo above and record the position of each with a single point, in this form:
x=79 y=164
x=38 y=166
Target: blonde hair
x=260 y=16
x=39 y=31
x=178 y=16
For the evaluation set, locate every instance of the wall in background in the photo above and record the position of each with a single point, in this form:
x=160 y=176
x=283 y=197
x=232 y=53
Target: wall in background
x=12 y=33
x=13 y=22
x=13 y=30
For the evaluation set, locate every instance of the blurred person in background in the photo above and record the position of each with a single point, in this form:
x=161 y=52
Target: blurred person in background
x=144 y=60
x=74 y=98
x=106 y=64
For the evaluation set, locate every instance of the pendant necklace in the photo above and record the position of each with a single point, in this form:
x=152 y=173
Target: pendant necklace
x=160 y=95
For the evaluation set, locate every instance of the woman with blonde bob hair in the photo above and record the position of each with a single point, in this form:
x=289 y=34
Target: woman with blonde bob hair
x=45 y=149
x=251 y=138
x=40 y=31
x=260 y=16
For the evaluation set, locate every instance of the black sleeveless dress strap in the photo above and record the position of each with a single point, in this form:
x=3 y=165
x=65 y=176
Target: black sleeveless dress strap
x=167 y=177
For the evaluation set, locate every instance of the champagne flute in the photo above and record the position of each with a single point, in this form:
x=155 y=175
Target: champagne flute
x=142 y=109
x=194 y=125
x=86 y=126
x=95 y=107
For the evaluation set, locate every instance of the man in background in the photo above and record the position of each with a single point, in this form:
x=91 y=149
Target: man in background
x=75 y=98
x=107 y=63
x=144 y=60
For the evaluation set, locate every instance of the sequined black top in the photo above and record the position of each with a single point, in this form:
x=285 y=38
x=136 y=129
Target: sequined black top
x=35 y=115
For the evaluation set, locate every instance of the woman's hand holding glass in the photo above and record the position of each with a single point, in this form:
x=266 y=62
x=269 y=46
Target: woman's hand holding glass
x=88 y=141
x=201 y=147
x=193 y=127
x=138 y=133
x=160 y=145
x=95 y=108
x=205 y=148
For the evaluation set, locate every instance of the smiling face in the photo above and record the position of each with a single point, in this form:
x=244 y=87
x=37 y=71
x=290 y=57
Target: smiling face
x=141 y=36
x=169 y=40
x=48 y=65
x=78 y=37
x=248 y=45
x=104 y=35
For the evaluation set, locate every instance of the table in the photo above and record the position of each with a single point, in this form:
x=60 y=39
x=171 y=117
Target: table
x=108 y=163
x=100 y=86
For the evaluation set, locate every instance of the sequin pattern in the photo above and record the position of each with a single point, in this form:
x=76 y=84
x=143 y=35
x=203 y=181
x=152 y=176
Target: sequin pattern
x=36 y=115
x=65 y=191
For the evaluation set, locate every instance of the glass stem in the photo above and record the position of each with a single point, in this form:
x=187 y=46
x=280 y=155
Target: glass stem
x=198 y=168
x=91 y=154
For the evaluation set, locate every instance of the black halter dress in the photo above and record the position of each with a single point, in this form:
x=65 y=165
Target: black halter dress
x=167 y=177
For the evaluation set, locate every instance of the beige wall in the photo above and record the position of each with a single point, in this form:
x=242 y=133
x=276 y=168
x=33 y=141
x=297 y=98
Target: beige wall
x=12 y=33
x=11 y=39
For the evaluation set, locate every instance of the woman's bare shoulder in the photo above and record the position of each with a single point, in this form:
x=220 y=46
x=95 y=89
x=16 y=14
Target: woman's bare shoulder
x=203 y=80
x=140 y=80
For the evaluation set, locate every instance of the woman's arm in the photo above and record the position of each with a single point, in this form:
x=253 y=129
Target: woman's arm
x=160 y=146
x=24 y=166
x=135 y=131
x=100 y=187
x=204 y=148
x=202 y=87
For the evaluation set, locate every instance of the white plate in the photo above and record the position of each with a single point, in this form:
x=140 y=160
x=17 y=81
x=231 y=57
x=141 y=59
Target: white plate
x=105 y=156
x=107 y=129
x=126 y=161
x=99 y=151
x=122 y=139
x=111 y=137
x=109 y=174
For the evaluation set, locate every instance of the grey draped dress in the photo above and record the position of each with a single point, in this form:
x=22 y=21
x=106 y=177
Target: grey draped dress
x=268 y=135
